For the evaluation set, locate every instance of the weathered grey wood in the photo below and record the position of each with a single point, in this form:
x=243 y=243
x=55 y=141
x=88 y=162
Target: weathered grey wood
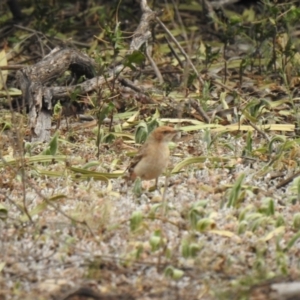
x=33 y=81
x=286 y=290
x=276 y=291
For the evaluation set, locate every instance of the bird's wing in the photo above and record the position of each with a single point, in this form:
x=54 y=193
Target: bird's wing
x=138 y=157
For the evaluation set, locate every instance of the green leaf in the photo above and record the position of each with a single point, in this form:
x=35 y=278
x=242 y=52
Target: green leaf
x=153 y=123
x=3 y=212
x=136 y=57
x=177 y=274
x=296 y=221
x=105 y=111
x=272 y=21
x=248 y=148
x=244 y=212
x=156 y=240
x=271 y=207
x=205 y=224
x=141 y=133
x=194 y=160
x=194 y=249
x=243 y=225
x=90 y=164
x=137 y=187
x=96 y=175
x=6 y=126
x=136 y=220
x=154 y=209
x=57 y=197
x=173 y=273
x=189 y=249
x=185 y=249
x=235 y=191
x=34 y=159
x=197 y=212
x=293 y=240
x=57 y=110
x=280 y=221
x=53 y=145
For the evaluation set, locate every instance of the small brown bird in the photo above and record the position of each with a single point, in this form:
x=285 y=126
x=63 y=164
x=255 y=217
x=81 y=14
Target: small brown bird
x=153 y=156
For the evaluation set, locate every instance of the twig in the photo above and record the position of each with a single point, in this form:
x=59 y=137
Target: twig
x=260 y=131
x=37 y=33
x=80 y=44
x=164 y=201
x=287 y=180
x=199 y=110
x=174 y=52
x=181 y=49
x=153 y=64
x=182 y=27
x=225 y=87
x=130 y=84
x=12 y=67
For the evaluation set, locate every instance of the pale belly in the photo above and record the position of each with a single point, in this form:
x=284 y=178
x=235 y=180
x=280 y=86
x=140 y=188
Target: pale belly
x=152 y=167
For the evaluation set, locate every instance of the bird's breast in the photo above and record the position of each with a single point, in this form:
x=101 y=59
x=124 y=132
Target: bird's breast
x=151 y=166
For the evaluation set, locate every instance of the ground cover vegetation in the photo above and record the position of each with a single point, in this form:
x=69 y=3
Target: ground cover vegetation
x=224 y=222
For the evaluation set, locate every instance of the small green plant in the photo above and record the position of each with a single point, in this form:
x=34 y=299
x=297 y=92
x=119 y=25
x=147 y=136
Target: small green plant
x=156 y=241
x=197 y=212
x=173 y=273
x=296 y=221
x=189 y=248
x=292 y=241
x=105 y=110
x=53 y=145
x=3 y=212
x=137 y=187
x=143 y=129
x=247 y=151
x=210 y=55
x=267 y=207
x=205 y=96
x=205 y=224
x=236 y=194
x=136 y=221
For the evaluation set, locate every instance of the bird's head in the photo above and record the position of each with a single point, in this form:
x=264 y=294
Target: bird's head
x=163 y=134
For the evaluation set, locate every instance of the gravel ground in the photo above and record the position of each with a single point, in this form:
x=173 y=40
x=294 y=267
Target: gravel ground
x=201 y=248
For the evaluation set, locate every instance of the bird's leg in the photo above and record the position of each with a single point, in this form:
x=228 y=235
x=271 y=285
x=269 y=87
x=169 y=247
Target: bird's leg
x=153 y=187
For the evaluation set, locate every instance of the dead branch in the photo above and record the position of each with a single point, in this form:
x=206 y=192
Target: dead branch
x=32 y=81
x=143 y=32
x=287 y=180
